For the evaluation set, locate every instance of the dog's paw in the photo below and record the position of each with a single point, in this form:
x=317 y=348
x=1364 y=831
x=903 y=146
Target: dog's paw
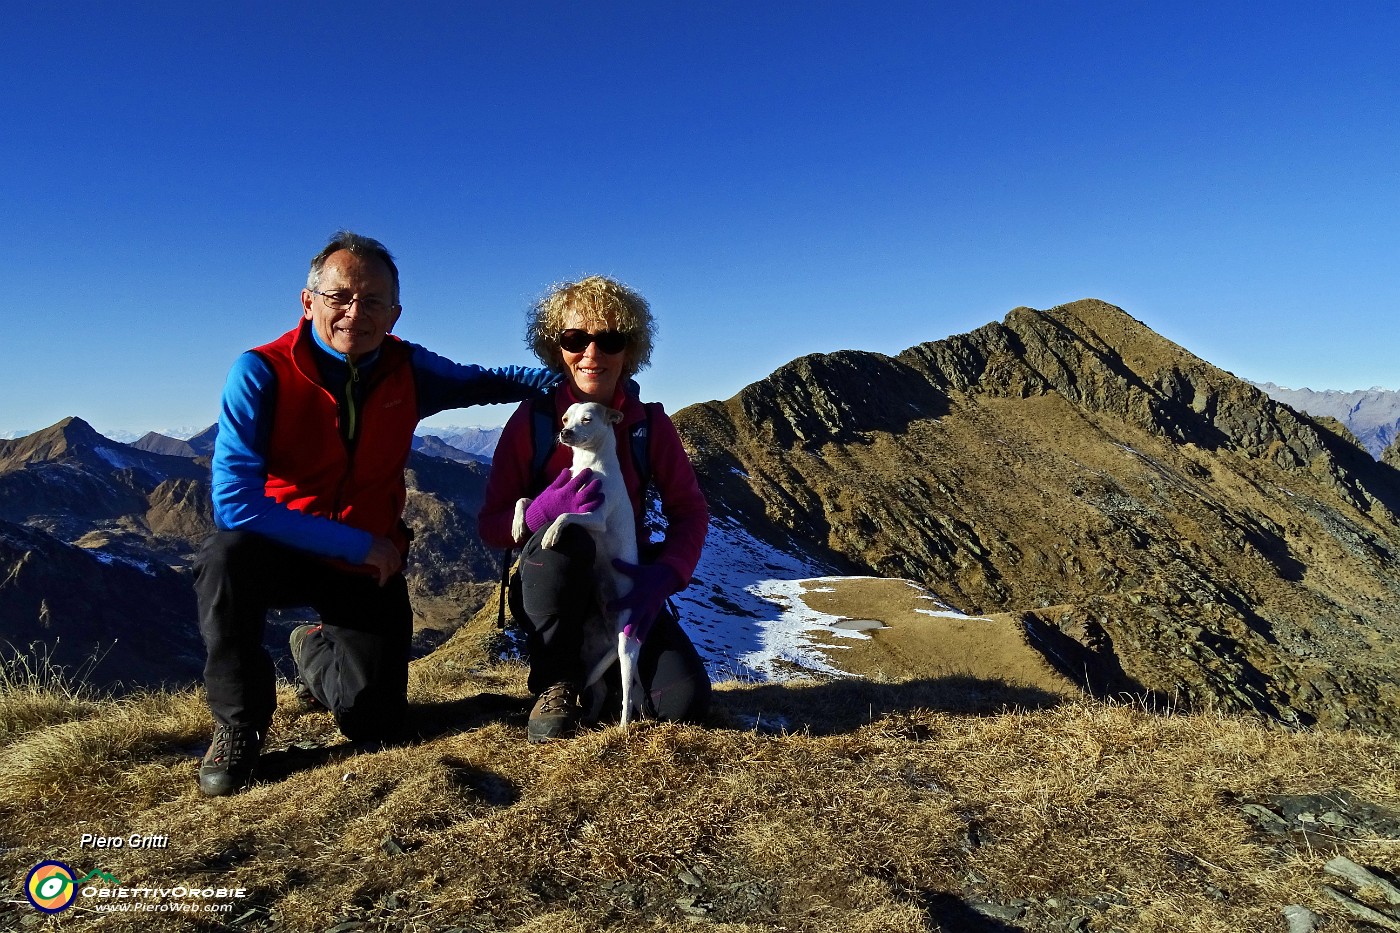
x=518 y=529
x=553 y=533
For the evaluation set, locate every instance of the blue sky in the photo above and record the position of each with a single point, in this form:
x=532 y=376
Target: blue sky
x=777 y=178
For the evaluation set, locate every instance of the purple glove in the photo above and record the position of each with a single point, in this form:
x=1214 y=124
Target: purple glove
x=651 y=584
x=566 y=494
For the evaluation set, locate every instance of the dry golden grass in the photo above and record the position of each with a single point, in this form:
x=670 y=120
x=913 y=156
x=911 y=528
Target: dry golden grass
x=899 y=816
x=36 y=694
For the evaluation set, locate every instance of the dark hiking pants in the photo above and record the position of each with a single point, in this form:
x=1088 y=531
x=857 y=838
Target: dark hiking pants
x=356 y=665
x=552 y=596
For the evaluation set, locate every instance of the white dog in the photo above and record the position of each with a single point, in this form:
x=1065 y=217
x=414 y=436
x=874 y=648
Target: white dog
x=588 y=429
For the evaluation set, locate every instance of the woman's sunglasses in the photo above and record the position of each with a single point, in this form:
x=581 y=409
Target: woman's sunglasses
x=576 y=341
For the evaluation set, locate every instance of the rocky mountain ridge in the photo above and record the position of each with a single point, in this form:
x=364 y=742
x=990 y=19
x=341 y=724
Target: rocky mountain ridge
x=433 y=446
x=1158 y=525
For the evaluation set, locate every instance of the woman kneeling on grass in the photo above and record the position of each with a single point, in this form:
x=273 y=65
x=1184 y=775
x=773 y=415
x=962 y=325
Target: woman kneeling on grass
x=598 y=333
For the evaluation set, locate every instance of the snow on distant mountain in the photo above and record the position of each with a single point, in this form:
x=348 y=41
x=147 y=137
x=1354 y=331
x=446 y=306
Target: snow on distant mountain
x=478 y=443
x=474 y=440
x=434 y=446
x=1373 y=414
x=130 y=437
x=118 y=459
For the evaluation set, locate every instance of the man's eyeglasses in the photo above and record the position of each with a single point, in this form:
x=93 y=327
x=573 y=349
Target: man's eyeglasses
x=609 y=341
x=341 y=301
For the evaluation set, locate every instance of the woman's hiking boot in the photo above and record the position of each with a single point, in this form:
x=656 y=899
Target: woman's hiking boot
x=555 y=713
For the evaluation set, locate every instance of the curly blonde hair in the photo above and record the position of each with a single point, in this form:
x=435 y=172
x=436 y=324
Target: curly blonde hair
x=602 y=304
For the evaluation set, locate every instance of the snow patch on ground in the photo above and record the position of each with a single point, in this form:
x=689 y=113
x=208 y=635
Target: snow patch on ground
x=949 y=614
x=116 y=458
x=112 y=559
x=744 y=610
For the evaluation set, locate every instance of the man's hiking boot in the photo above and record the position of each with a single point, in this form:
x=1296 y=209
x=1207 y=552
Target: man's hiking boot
x=306 y=700
x=228 y=765
x=555 y=713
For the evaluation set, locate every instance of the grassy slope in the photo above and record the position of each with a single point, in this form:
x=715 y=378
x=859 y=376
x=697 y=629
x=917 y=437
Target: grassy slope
x=893 y=806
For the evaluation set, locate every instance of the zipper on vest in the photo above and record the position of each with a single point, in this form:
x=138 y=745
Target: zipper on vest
x=338 y=505
x=352 y=427
x=351 y=415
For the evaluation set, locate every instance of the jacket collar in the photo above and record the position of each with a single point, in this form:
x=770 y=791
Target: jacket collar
x=626 y=399
x=364 y=362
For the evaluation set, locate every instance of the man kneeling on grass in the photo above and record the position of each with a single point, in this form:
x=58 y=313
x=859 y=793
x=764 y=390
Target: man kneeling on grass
x=308 y=487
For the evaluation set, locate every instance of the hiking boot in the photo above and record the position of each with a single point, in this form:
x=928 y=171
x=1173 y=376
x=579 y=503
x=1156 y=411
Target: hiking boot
x=228 y=765
x=555 y=713
x=306 y=699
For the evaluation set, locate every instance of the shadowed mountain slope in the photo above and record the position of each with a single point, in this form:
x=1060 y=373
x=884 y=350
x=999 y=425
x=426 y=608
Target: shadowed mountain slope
x=107 y=615
x=1141 y=511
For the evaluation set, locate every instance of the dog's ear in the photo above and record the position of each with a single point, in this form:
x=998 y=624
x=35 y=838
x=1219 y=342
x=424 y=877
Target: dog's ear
x=614 y=416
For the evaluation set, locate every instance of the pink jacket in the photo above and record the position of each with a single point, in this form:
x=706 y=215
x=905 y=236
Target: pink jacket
x=687 y=515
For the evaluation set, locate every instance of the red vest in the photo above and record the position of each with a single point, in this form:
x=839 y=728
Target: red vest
x=310 y=467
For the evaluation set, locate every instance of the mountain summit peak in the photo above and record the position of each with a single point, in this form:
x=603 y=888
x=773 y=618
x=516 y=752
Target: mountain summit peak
x=66 y=437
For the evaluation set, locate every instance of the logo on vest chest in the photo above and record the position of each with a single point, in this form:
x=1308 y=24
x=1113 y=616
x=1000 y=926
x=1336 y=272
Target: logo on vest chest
x=392 y=403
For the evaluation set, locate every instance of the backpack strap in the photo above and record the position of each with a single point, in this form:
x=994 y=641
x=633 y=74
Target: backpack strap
x=543 y=438
x=640 y=441
x=504 y=588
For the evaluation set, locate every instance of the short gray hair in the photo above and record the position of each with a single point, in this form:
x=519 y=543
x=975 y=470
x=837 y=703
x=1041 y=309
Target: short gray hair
x=356 y=245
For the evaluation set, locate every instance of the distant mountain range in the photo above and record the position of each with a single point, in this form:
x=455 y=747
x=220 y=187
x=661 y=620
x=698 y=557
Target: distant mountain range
x=478 y=441
x=93 y=536
x=453 y=443
x=1372 y=415
x=434 y=446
